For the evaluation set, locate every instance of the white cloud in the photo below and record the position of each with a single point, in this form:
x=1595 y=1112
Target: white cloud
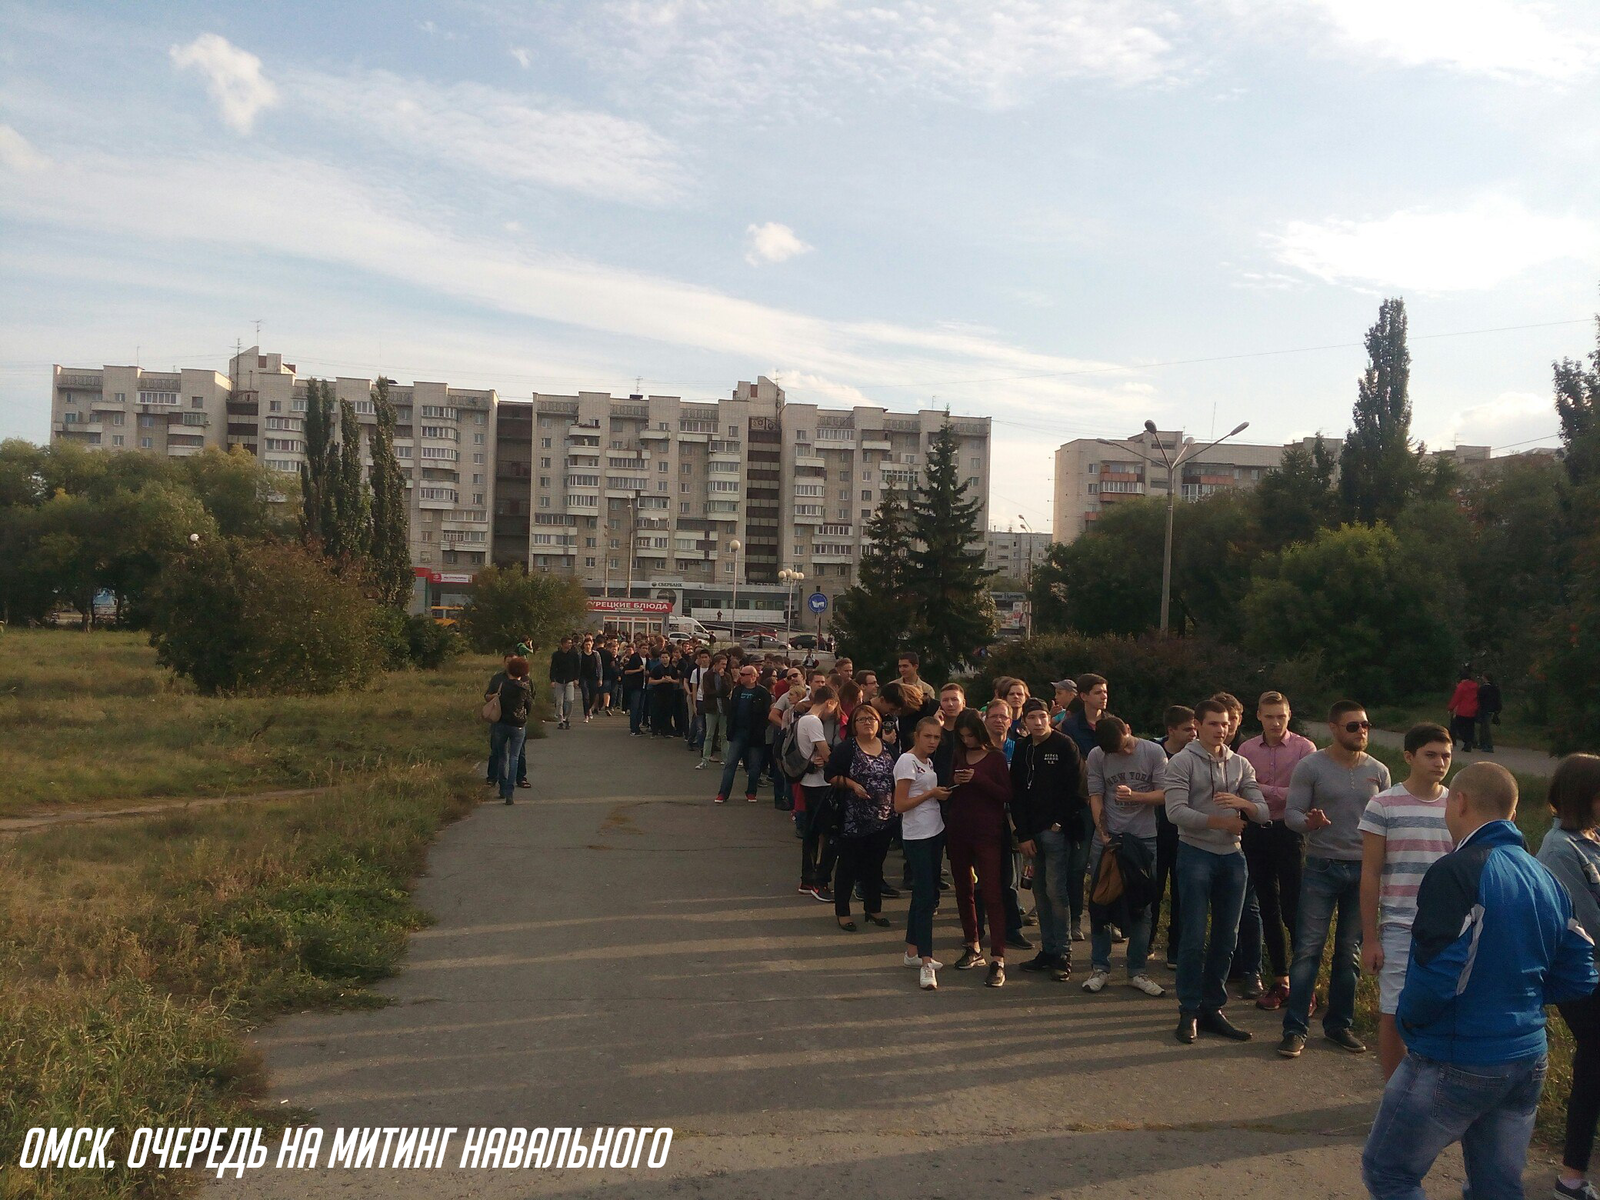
x=1510 y=418
x=501 y=134
x=740 y=55
x=233 y=77
x=1485 y=244
x=520 y=53
x=771 y=243
x=18 y=153
x=1501 y=38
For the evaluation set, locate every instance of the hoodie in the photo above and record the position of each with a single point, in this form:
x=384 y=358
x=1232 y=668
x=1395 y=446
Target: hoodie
x=1193 y=780
x=1048 y=788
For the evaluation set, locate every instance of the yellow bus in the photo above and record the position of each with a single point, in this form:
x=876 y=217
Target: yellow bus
x=445 y=614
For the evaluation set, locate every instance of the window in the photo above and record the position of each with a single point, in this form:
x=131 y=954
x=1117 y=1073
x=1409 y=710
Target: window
x=866 y=514
x=808 y=510
x=300 y=406
x=291 y=445
x=808 y=489
x=588 y=562
x=733 y=430
x=662 y=467
x=197 y=401
x=116 y=418
x=544 y=461
x=544 y=443
x=544 y=423
x=122 y=397
x=866 y=494
x=477 y=497
x=477 y=439
x=589 y=544
x=437 y=411
x=158 y=397
x=801 y=435
x=477 y=418
x=723 y=468
x=144 y=443
x=685 y=488
x=724 y=485
x=272 y=422
x=844 y=494
x=976 y=462
x=478 y=459
x=583 y=481
x=146 y=421
x=476 y=478
x=662 y=486
x=615 y=563
x=683 y=506
x=544 y=481
x=69 y=418
x=685 y=468
x=844 y=476
x=274 y=405
x=442 y=453
x=116 y=439
x=866 y=477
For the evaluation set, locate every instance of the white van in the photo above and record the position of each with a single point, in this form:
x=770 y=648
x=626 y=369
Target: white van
x=682 y=628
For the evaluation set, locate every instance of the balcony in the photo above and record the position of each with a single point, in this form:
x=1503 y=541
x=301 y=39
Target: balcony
x=875 y=442
x=806 y=459
x=664 y=435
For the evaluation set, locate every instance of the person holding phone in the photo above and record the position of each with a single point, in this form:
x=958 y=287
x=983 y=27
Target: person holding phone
x=861 y=768
x=916 y=798
x=978 y=835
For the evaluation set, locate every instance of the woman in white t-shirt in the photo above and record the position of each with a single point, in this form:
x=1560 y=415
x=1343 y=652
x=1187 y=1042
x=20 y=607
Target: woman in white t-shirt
x=916 y=797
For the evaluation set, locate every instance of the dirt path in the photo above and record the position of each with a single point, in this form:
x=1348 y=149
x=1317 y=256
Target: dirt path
x=32 y=822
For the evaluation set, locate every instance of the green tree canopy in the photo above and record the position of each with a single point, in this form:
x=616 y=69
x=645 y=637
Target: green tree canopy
x=509 y=605
x=870 y=618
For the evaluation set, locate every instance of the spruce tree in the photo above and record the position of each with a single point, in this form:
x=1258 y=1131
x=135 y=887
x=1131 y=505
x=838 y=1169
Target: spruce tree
x=391 y=551
x=1379 y=469
x=945 y=569
x=871 y=618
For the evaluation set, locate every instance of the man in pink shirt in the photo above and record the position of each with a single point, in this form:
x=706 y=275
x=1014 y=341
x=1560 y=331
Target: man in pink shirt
x=1274 y=852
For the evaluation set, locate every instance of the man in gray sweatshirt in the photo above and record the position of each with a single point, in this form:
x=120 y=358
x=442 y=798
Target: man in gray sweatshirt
x=1211 y=792
x=1328 y=792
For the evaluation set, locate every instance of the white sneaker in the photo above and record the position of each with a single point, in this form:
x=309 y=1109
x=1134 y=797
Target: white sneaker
x=1097 y=980
x=928 y=980
x=1147 y=985
x=700 y=766
x=911 y=960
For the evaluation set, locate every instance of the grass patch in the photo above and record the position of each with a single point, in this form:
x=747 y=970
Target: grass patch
x=90 y=719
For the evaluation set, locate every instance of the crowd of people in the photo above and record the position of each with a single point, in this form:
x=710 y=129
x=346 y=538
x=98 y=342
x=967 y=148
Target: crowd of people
x=1255 y=850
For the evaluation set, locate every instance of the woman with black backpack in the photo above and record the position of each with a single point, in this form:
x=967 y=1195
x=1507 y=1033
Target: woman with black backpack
x=512 y=702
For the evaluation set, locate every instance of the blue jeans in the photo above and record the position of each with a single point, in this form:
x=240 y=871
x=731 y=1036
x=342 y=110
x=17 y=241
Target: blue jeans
x=1138 y=930
x=636 y=703
x=923 y=856
x=1328 y=884
x=505 y=745
x=1077 y=868
x=1247 y=951
x=753 y=751
x=710 y=735
x=1212 y=886
x=1487 y=1107
x=1050 y=892
x=566 y=699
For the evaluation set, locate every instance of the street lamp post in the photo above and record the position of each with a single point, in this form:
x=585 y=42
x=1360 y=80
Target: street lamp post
x=793 y=579
x=1027 y=599
x=735 y=545
x=1187 y=453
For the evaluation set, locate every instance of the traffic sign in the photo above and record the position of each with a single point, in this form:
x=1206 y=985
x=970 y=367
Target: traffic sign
x=818 y=603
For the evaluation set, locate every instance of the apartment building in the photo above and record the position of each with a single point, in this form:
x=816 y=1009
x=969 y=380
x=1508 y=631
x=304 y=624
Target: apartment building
x=1093 y=475
x=1014 y=553
x=442 y=435
x=658 y=488
x=175 y=413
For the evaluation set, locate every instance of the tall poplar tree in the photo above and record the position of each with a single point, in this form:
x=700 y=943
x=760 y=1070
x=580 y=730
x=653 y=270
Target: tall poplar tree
x=318 y=501
x=1379 y=469
x=945 y=567
x=873 y=617
x=351 y=535
x=391 y=551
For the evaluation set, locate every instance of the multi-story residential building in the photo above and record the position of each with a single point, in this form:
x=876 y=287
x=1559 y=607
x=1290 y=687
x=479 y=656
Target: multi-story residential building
x=442 y=435
x=1014 y=553
x=1093 y=475
x=658 y=488
x=174 y=413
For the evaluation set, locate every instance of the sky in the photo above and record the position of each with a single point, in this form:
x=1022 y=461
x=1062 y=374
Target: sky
x=1068 y=216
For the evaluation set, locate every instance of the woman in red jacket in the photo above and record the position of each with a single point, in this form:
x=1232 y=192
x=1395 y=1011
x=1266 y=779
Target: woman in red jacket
x=977 y=835
x=1463 y=709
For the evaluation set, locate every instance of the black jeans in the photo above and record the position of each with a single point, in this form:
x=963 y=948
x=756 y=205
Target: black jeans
x=817 y=851
x=1275 y=854
x=1583 y=1105
x=1486 y=732
x=861 y=861
x=1166 y=863
x=924 y=856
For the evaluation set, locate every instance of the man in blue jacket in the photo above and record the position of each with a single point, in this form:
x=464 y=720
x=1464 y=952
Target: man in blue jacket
x=1493 y=943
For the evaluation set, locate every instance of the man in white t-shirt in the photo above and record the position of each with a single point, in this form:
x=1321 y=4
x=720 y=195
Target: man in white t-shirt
x=817 y=851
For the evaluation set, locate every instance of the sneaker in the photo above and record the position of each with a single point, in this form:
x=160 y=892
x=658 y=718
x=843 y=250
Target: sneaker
x=1117 y=936
x=749 y=797
x=1171 y=964
x=720 y=800
x=1251 y=987
x=928 y=981
x=1274 y=997
x=823 y=892
x=1030 y=919
x=523 y=783
x=1143 y=983
x=587 y=718
x=970 y=958
x=887 y=892
x=911 y=960
x=701 y=765
x=1220 y=1025
x=1346 y=1040
x=1582 y=1190
x=1096 y=981
x=997 y=975
x=1017 y=942
x=1061 y=972
x=1077 y=930
x=804 y=889
x=1040 y=962
x=1292 y=1044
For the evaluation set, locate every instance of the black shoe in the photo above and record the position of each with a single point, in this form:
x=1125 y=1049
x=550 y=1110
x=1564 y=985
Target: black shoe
x=524 y=783
x=1346 y=1040
x=1040 y=962
x=1251 y=988
x=1061 y=970
x=1017 y=942
x=823 y=892
x=1292 y=1044
x=887 y=892
x=1186 y=1029
x=997 y=976
x=508 y=799
x=970 y=958
x=1220 y=1025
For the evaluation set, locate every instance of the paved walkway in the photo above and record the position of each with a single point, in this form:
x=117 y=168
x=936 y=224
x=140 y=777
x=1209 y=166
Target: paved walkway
x=1512 y=758
x=613 y=949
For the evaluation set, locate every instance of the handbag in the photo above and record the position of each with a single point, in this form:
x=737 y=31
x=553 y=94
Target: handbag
x=491 y=708
x=1106 y=888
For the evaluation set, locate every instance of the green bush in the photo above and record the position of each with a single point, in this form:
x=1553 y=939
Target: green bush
x=1146 y=673
x=429 y=644
x=264 y=617
x=509 y=606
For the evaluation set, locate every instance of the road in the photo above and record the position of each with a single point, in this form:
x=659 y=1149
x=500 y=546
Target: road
x=614 y=949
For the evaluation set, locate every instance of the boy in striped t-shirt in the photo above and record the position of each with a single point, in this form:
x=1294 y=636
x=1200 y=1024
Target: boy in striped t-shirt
x=1403 y=833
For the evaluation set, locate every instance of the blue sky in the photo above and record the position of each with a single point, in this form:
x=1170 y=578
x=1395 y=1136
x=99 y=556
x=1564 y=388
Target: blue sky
x=1043 y=212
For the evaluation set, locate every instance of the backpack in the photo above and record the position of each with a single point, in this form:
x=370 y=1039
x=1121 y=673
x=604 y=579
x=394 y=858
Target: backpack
x=791 y=762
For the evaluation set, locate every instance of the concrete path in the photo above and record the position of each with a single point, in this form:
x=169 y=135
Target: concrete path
x=614 y=949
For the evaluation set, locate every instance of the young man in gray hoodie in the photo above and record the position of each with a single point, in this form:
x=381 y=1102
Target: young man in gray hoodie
x=1211 y=792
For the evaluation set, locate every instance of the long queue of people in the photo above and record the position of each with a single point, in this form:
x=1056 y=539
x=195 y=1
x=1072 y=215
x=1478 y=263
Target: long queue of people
x=1258 y=849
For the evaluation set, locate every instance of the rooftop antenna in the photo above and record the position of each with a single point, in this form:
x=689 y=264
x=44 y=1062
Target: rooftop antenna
x=638 y=385
x=258 y=331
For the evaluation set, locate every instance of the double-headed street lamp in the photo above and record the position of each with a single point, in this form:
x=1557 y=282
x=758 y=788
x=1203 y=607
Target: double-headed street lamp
x=793 y=579
x=1186 y=453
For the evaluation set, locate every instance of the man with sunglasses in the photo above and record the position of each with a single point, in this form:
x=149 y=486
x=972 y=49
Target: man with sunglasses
x=1328 y=793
